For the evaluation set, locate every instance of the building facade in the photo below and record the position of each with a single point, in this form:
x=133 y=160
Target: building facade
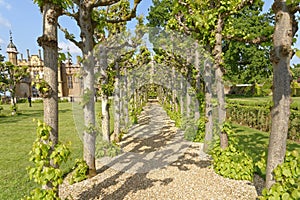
x=69 y=83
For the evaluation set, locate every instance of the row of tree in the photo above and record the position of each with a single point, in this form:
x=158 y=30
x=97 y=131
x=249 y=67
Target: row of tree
x=238 y=37
x=221 y=27
x=97 y=21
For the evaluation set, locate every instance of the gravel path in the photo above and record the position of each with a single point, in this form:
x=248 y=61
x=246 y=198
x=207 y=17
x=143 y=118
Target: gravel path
x=157 y=163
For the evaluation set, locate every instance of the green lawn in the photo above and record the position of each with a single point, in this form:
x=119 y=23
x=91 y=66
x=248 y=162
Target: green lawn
x=255 y=142
x=17 y=134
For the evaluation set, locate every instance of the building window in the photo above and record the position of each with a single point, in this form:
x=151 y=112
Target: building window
x=70 y=82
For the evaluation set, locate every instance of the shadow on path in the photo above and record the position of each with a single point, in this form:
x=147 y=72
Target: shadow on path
x=152 y=144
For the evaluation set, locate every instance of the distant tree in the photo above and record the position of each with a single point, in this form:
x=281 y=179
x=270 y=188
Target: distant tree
x=296 y=71
x=10 y=77
x=247 y=46
x=1 y=56
x=286 y=27
x=2 y=75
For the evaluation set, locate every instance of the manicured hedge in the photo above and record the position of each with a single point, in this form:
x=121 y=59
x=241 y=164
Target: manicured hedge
x=259 y=117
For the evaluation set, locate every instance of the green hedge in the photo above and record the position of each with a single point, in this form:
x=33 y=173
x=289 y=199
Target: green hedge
x=259 y=117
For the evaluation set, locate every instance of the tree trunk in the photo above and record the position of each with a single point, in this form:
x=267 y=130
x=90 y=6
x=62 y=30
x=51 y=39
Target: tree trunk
x=280 y=57
x=208 y=107
x=105 y=118
x=126 y=99
x=89 y=136
x=117 y=105
x=48 y=41
x=173 y=89
x=217 y=52
x=182 y=89
x=197 y=89
x=104 y=96
x=188 y=96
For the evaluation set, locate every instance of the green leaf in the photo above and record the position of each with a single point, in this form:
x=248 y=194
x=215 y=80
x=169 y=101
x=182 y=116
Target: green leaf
x=296 y=194
x=298 y=53
x=285 y=196
x=286 y=172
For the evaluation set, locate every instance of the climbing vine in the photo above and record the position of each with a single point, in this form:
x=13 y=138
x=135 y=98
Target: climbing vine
x=42 y=172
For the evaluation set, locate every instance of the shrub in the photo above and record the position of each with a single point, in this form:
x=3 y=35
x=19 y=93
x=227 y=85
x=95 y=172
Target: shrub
x=232 y=162
x=261 y=165
x=105 y=148
x=22 y=100
x=196 y=135
x=79 y=171
x=64 y=100
x=38 y=101
x=287 y=177
x=173 y=114
x=258 y=116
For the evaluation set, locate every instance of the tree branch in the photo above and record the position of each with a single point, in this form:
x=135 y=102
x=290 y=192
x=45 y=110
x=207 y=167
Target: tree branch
x=257 y=40
x=128 y=17
x=72 y=15
x=104 y=3
x=70 y=37
x=239 y=7
x=295 y=9
x=179 y=17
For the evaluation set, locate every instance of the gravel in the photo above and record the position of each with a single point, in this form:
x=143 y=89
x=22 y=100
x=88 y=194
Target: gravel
x=157 y=163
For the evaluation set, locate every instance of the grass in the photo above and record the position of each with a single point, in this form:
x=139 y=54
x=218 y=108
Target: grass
x=255 y=142
x=17 y=134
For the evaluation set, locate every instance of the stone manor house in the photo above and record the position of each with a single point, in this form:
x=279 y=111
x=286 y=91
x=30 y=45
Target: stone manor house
x=69 y=84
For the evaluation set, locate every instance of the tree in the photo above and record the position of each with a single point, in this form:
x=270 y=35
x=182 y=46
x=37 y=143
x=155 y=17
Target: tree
x=1 y=56
x=247 y=46
x=296 y=71
x=92 y=25
x=2 y=75
x=286 y=27
x=10 y=77
x=51 y=10
x=205 y=21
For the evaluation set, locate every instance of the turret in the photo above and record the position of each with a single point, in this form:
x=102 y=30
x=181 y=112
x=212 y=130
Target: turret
x=12 y=51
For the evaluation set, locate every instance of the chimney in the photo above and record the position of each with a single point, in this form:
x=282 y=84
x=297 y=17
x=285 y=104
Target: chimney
x=21 y=57
x=28 y=55
x=40 y=54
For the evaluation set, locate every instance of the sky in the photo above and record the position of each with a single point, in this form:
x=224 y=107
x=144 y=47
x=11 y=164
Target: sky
x=23 y=18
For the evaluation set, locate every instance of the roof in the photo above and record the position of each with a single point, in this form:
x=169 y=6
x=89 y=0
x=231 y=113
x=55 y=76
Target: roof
x=11 y=48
